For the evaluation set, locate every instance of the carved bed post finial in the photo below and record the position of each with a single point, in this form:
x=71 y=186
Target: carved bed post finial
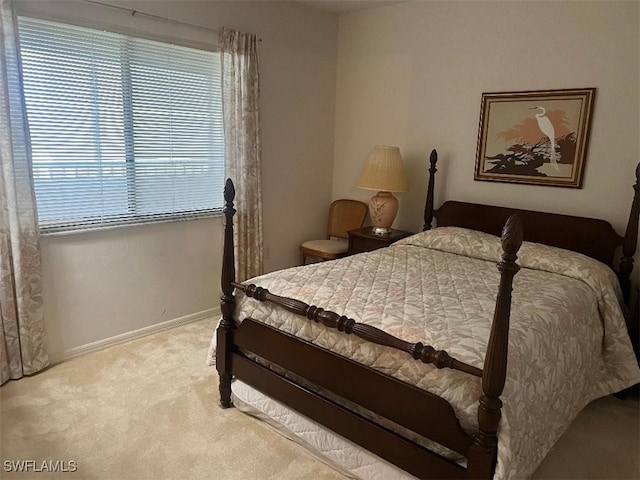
x=630 y=241
x=485 y=444
x=227 y=300
x=428 y=206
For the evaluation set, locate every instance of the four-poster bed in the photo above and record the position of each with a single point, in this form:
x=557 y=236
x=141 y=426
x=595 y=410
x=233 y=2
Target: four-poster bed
x=377 y=384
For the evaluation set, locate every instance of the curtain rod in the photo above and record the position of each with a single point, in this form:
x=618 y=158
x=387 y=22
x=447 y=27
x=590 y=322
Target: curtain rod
x=151 y=15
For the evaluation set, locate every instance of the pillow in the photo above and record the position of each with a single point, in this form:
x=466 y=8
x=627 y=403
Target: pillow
x=476 y=244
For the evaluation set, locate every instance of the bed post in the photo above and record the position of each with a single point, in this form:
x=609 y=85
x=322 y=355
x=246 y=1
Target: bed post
x=428 y=205
x=630 y=241
x=226 y=327
x=483 y=451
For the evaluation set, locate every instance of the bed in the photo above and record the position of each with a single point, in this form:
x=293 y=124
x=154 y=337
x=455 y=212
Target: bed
x=424 y=354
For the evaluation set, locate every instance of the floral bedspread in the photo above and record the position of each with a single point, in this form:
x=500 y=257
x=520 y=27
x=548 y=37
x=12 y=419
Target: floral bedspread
x=568 y=341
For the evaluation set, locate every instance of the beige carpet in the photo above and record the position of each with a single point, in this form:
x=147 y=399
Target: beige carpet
x=148 y=410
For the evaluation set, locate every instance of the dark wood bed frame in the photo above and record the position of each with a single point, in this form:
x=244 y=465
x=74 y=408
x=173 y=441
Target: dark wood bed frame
x=422 y=412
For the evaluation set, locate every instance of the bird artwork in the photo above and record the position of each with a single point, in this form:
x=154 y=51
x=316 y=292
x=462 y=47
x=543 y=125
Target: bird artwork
x=527 y=136
x=546 y=127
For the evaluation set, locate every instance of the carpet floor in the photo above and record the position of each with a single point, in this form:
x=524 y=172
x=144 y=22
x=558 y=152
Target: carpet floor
x=148 y=409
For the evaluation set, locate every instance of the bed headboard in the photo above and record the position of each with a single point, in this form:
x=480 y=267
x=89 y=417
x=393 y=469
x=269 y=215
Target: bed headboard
x=592 y=237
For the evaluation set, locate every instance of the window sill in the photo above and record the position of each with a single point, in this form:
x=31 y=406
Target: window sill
x=80 y=229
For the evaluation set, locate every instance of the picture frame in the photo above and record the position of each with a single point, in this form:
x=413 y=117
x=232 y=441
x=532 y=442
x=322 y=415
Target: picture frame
x=534 y=137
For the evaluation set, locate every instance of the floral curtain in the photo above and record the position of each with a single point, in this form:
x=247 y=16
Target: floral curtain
x=22 y=338
x=240 y=94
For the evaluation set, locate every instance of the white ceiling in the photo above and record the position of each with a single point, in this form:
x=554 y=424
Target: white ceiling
x=343 y=6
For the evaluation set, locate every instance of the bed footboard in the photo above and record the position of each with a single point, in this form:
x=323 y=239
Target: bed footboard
x=419 y=351
x=404 y=405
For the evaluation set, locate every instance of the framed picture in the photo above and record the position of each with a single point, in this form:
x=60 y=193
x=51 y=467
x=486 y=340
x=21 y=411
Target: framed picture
x=537 y=137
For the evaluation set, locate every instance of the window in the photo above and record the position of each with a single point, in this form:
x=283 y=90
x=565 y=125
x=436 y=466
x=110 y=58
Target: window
x=123 y=129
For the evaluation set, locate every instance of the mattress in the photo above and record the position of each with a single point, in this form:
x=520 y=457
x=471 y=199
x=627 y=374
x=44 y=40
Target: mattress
x=568 y=341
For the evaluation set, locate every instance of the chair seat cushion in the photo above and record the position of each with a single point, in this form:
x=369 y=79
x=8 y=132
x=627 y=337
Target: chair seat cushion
x=328 y=246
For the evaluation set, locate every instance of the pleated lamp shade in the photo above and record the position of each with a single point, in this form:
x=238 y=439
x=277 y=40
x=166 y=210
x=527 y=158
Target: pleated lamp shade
x=384 y=171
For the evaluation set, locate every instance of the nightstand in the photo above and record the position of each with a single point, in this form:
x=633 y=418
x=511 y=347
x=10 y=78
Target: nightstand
x=364 y=240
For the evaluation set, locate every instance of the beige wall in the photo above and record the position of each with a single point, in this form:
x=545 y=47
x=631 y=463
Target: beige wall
x=412 y=75
x=99 y=285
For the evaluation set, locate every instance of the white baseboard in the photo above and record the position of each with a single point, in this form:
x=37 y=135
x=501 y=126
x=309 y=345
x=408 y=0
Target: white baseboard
x=58 y=357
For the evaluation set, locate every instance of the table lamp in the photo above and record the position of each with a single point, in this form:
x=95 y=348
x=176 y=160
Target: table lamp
x=383 y=172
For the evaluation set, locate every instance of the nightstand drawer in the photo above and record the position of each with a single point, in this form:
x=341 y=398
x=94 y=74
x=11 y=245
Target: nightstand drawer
x=361 y=244
x=364 y=240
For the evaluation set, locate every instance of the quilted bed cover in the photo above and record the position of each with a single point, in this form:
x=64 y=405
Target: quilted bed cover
x=568 y=341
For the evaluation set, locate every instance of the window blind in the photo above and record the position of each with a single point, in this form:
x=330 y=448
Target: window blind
x=123 y=130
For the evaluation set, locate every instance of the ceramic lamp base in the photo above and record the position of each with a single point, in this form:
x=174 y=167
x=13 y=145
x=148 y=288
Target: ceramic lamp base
x=383 y=208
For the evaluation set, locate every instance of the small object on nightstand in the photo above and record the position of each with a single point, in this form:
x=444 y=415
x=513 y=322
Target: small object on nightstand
x=365 y=240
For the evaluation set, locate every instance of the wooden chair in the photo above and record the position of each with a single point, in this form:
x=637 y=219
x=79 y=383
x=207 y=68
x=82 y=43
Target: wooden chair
x=344 y=215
